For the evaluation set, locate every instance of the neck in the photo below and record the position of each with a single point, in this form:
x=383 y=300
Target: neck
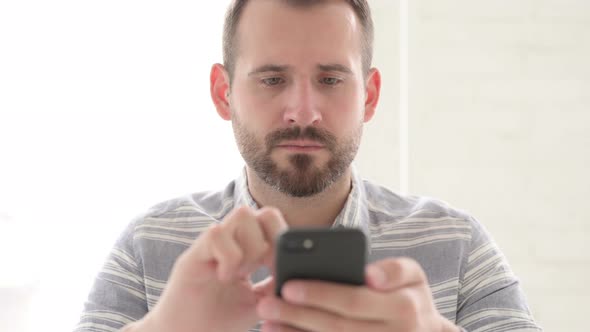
x=319 y=210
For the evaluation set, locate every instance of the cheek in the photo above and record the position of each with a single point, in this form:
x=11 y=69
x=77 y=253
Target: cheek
x=345 y=112
x=251 y=101
x=253 y=112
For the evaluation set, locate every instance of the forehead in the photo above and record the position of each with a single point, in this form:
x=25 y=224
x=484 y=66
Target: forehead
x=272 y=31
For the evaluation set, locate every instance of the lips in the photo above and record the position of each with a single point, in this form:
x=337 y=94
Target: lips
x=301 y=144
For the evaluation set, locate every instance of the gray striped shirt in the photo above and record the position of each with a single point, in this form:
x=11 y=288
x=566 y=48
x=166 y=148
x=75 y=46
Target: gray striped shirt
x=470 y=279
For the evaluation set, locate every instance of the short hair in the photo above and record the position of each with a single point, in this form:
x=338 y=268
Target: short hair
x=234 y=13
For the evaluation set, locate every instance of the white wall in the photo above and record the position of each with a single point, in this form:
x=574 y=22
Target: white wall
x=379 y=155
x=499 y=126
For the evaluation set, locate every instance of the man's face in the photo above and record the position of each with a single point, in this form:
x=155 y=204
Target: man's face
x=298 y=96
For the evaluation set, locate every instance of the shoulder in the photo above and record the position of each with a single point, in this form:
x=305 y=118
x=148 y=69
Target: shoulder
x=420 y=216
x=206 y=204
x=387 y=204
x=181 y=219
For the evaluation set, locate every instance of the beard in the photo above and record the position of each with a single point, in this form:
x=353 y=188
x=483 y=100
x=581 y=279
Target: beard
x=303 y=177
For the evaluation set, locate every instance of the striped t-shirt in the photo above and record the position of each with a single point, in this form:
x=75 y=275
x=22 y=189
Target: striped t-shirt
x=471 y=282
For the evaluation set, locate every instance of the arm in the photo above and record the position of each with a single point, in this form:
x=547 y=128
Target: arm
x=118 y=294
x=398 y=298
x=490 y=297
x=209 y=285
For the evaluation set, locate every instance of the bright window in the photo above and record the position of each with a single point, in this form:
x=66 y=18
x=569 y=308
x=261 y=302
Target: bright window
x=104 y=111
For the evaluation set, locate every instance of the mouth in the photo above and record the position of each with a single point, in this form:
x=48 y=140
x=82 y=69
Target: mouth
x=301 y=146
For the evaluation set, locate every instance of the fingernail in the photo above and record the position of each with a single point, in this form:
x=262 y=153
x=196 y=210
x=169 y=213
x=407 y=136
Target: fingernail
x=294 y=292
x=377 y=275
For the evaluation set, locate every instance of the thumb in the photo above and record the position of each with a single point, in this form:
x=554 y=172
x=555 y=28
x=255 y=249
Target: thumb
x=375 y=277
x=394 y=273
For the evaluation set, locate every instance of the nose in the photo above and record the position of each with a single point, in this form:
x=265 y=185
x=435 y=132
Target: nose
x=302 y=106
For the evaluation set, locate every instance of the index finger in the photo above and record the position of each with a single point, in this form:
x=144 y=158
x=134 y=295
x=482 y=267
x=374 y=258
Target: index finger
x=272 y=223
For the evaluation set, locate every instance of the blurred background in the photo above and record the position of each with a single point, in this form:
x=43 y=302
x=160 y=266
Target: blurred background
x=484 y=105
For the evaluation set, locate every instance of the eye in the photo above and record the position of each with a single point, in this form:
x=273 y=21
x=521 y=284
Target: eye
x=272 y=81
x=330 y=80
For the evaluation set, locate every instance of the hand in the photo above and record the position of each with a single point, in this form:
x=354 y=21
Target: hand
x=396 y=298
x=209 y=287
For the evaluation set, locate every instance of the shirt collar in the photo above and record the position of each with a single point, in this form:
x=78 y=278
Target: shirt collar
x=354 y=214
x=242 y=195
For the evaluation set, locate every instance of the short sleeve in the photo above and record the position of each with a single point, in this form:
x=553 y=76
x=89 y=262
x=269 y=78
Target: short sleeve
x=490 y=296
x=118 y=294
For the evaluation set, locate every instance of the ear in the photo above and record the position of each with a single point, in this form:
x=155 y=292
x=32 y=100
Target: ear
x=219 y=81
x=372 y=92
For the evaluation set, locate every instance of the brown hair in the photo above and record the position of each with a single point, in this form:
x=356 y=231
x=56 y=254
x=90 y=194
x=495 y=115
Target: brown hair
x=234 y=12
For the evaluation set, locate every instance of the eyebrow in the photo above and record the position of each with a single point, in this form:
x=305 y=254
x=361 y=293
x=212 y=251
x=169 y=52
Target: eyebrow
x=269 y=68
x=283 y=68
x=335 y=67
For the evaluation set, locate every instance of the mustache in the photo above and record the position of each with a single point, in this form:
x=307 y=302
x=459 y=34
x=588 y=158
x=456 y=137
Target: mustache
x=294 y=133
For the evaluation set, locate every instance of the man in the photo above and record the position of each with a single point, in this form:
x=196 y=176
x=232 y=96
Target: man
x=297 y=86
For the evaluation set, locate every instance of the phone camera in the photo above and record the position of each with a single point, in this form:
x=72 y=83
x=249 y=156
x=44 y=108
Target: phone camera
x=297 y=245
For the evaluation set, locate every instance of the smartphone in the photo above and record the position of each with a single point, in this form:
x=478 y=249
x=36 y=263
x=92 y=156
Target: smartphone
x=329 y=254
